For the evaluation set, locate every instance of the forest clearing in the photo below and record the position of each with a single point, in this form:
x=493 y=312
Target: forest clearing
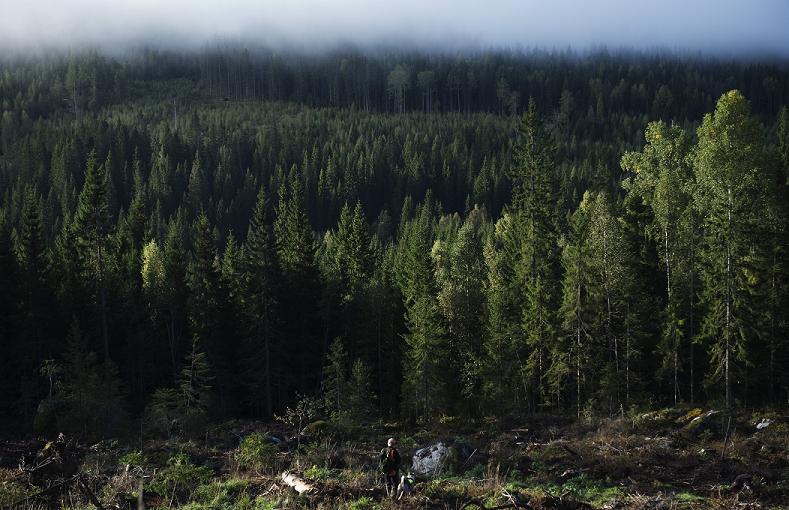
x=668 y=459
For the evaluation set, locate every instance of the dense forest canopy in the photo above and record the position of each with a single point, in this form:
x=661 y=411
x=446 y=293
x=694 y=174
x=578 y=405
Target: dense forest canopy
x=215 y=234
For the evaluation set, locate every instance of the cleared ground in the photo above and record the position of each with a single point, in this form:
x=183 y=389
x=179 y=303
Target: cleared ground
x=673 y=458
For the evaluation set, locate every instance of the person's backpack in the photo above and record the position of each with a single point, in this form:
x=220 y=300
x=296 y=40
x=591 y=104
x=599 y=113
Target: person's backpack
x=389 y=459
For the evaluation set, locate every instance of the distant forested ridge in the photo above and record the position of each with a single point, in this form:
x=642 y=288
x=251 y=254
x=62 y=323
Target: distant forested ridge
x=195 y=236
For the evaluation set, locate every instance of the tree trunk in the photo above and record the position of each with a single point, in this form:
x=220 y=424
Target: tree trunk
x=578 y=340
x=692 y=299
x=102 y=301
x=727 y=333
x=669 y=296
x=267 y=353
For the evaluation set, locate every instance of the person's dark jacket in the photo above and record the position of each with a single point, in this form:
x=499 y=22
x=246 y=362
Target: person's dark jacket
x=390 y=460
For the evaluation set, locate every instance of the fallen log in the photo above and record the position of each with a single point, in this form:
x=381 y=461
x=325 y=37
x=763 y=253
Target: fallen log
x=83 y=485
x=297 y=483
x=479 y=504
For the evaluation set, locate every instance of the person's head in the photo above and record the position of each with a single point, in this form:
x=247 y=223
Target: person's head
x=391 y=443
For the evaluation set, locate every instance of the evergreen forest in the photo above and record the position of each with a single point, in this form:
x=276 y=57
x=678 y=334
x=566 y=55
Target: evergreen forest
x=198 y=236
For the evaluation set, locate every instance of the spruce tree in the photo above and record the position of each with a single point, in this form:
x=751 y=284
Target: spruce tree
x=90 y=390
x=348 y=276
x=576 y=310
x=206 y=305
x=295 y=248
x=335 y=380
x=197 y=189
x=783 y=141
x=34 y=272
x=361 y=400
x=194 y=384
x=10 y=345
x=462 y=299
x=259 y=308
x=503 y=386
x=176 y=301
x=386 y=309
x=534 y=199
x=425 y=381
x=92 y=227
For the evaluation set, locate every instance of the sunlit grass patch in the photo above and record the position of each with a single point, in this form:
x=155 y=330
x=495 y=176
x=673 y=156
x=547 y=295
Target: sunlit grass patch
x=582 y=488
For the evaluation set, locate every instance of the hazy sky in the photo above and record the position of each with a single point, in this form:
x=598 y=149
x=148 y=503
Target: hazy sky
x=725 y=26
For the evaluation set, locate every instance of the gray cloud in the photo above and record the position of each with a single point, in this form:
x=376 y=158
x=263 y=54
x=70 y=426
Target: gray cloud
x=719 y=26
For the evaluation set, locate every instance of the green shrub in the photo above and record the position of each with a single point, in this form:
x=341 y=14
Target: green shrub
x=586 y=489
x=229 y=494
x=262 y=503
x=476 y=471
x=364 y=503
x=256 y=452
x=321 y=473
x=134 y=459
x=451 y=422
x=319 y=428
x=12 y=493
x=163 y=413
x=180 y=478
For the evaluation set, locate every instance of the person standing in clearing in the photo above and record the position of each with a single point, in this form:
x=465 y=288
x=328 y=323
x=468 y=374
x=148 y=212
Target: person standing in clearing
x=390 y=465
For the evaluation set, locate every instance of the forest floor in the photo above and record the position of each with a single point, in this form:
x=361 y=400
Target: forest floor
x=668 y=459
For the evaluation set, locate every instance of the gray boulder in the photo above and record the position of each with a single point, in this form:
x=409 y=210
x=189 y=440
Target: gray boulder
x=699 y=424
x=433 y=459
